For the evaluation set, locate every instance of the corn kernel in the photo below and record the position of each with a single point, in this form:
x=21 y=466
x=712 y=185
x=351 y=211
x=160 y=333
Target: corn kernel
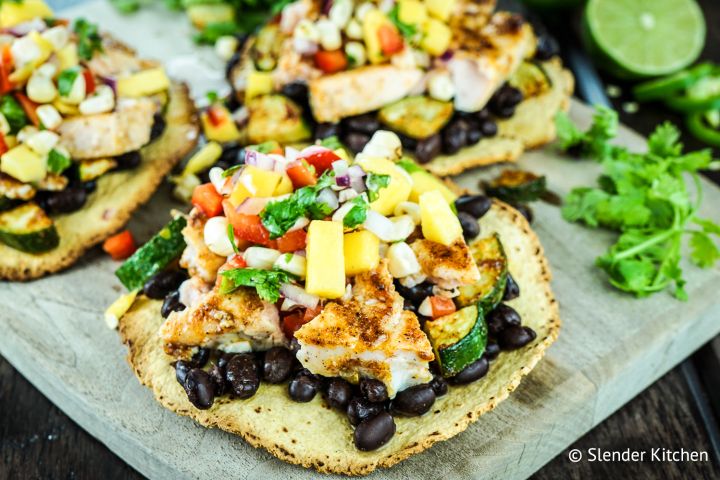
x=49 y=116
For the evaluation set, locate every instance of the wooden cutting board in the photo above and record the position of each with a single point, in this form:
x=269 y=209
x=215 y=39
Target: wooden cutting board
x=610 y=348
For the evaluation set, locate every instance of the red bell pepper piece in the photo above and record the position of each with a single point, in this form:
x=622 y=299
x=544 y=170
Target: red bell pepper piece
x=206 y=199
x=331 y=61
x=120 y=246
x=292 y=241
x=441 y=306
x=89 y=82
x=321 y=160
x=390 y=39
x=301 y=175
x=29 y=107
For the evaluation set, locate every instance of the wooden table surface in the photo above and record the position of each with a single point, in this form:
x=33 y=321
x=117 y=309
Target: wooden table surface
x=38 y=441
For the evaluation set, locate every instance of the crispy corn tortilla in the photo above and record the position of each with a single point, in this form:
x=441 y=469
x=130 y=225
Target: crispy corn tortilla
x=312 y=434
x=532 y=126
x=118 y=194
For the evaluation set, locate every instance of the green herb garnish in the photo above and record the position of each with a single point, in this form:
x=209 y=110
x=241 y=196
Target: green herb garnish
x=405 y=29
x=644 y=197
x=332 y=142
x=375 y=182
x=358 y=213
x=231 y=237
x=89 y=40
x=57 y=162
x=266 y=282
x=13 y=112
x=231 y=171
x=66 y=79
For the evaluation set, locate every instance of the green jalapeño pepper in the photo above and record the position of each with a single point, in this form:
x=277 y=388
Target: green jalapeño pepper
x=699 y=125
x=703 y=95
x=664 y=87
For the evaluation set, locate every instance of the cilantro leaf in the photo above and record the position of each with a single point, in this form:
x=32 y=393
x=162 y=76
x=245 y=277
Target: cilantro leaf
x=704 y=251
x=374 y=182
x=57 y=162
x=332 y=142
x=266 y=282
x=89 y=40
x=231 y=237
x=13 y=112
x=358 y=213
x=66 y=79
x=592 y=143
x=405 y=29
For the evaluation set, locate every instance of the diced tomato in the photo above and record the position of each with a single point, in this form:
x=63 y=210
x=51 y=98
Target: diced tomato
x=292 y=241
x=236 y=261
x=247 y=227
x=206 y=199
x=311 y=313
x=390 y=39
x=89 y=82
x=331 y=61
x=120 y=246
x=441 y=306
x=3 y=144
x=6 y=64
x=216 y=115
x=301 y=174
x=29 y=107
x=321 y=160
x=292 y=323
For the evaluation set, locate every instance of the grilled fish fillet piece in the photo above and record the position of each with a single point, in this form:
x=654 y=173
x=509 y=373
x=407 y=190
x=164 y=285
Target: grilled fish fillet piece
x=471 y=15
x=197 y=257
x=224 y=321
x=117 y=59
x=109 y=134
x=484 y=60
x=361 y=90
x=368 y=336
x=446 y=266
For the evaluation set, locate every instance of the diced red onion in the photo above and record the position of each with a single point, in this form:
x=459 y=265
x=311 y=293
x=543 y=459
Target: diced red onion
x=340 y=213
x=380 y=225
x=281 y=162
x=253 y=205
x=259 y=160
x=356 y=171
x=447 y=55
x=347 y=194
x=299 y=295
x=328 y=197
x=327 y=5
x=110 y=82
x=357 y=176
x=299 y=224
x=22 y=29
x=312 y=149
x=342 y=181
x=288 y=305
x=291 y=154
x=340 y=167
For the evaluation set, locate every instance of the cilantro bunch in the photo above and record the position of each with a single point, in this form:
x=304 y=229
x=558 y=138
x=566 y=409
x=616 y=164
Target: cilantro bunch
x=644 y=196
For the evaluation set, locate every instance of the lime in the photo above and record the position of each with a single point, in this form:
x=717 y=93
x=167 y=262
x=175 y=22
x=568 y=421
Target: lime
x=643 y=38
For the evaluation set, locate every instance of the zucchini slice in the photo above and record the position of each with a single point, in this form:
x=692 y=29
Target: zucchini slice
x=91 y=169
x=517 y=186
x=28 y=228
x=491 y=261
x=416 y=117
x=276 y=117
x=7 y=203
x=458 y=339
x=531 y=79
x=164 y=247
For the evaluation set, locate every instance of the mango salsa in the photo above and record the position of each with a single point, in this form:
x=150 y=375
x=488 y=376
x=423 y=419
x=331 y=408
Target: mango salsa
x=325 y=274
x=423 y=182
x=258 y=83
x=362 y=252
x=142 y=83
x=436 y=37
x=397 y=191
x=255 y=182
x=22 y=163
x=438 y=221
x=225 y=131
x=14 y=13
x=413 y=12
x=440 y=9
x=372 y=22
x=284 y=187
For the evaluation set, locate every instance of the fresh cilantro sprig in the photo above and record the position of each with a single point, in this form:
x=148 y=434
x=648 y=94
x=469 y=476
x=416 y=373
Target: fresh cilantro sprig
x=13 y=112
x=58 y=162
x=358 y=213
x=643 y=196
x=89 y=40
x=266 y=282
x=279 y=216
x=375 y=182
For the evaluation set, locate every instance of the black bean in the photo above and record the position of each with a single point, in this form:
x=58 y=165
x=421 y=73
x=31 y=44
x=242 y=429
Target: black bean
x=472 y=372
x=475 y=205
x=526 y=211
x=303 y=387
x=408 y=305
x=200 y=357
x=223 y=359
x=296 y=91
x=217 y=375
x=199 y=388
x=162 y=283
x=325 y=130
x=241 y=373
x=415 y=294
x=158 y=126
x=474 y=134
x=277 y=364
x=439 y=385
x=128 y=161
x=488 y=128
x=428 y=148
x=414 y=401
x=513 y=97
x=360 y=409
x=469 y=224
x=515 y=337
x=90 y=186
x=355 y=141
x=454 y=136
x=504 y=101
x=547 y=47
x=294 y=345
x=338 y=393
x=502 y=317
x=373 y=390
x=366 y=123
x=232 y=154
x=512 y=289
x=408 y=143
x=182 y=367
x=505 y=112
x=65 y=201
x=492 y=350
x=171 y=304
x=483 y=115
x=374 y=432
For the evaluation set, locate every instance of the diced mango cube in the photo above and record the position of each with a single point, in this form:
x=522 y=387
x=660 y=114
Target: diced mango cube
x=22 y=163
x=413 y=12
x=143 y=83
x=397 y=191
x=438 y=221
x=374 y=19
x=440 y=9
x=255 y=182
x=67 y=56
x=362 y=251
x=14 y=13
x=258 y=84
x=436 y=37
x=325 y=275
x=426 y=182
x=224 y=130
x=284 y=187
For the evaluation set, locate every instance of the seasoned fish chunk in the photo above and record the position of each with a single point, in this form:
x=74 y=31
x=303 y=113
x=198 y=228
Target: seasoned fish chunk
x=109 y=134
x=485 y=59
x=360 y=90
x=197 y=257
x=368 y=336
x=225 y=321
x=446 y=266
x=117 y=59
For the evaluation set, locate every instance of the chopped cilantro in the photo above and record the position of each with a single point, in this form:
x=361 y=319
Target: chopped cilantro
x=13 y=112
x=89 y=40
x=358 y=213
x=231 y=237
x=644 y=197
x=405 y=29
x=231 y=171
x=66 y=79
x=332 y=142
x=212 y=96
x=57 y=162
x=374 y=182
x=266 y=282
x=266 y=147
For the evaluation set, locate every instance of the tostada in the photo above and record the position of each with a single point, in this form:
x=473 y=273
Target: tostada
x=342 y=314
x=87 y=132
